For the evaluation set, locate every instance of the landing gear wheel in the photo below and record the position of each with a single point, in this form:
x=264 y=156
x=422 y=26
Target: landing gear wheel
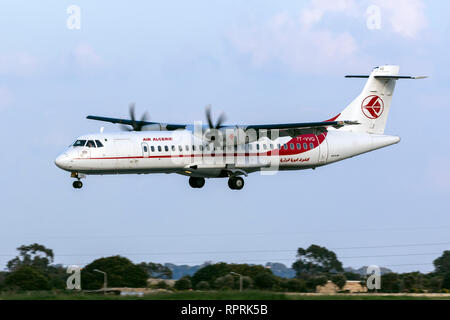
x=197 y=183
x=236 y=183
x=77 y=184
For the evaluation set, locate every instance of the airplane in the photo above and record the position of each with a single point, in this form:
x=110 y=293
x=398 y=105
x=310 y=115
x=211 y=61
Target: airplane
x=215 y=150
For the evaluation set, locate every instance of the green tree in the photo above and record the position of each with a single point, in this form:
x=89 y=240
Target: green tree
x=412 y=281
x=183 y=284
x=446 y=281
x=435 y=284
x=213 y=271
x=121 y=272
x=203 y=285
x=339 y=280
x=442 y=264
x=156 y=270
x=293 y=285
x=34 y=255
x=57 y=275
x=313 y=281
x=247 y=282
x=390 y=282
x=2 y=279
x=27 y=278
x=352 y=276
x=265 y=281
x=316 y=260
x=225 y=283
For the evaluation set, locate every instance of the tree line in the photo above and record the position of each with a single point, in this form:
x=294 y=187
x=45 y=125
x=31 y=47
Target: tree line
x=34 y=269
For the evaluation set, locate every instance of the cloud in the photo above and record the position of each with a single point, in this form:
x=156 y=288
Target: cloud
x=296 y=42
x=405 y=17
x=315 y=40
x=86 y=57
x=6 y=98
x=317 y=9
x=18 y=64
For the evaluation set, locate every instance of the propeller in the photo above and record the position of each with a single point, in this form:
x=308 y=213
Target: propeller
x=213 y=128
x=219 y=122
x=135 y=125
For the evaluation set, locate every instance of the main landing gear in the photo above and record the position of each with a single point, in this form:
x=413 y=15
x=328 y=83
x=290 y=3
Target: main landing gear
x=197 y=183
x=236 y=183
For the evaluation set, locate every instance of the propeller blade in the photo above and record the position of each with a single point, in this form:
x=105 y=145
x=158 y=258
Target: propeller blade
x=221 y=120
x=208 y=116
x=144 y=116
x=131 y=109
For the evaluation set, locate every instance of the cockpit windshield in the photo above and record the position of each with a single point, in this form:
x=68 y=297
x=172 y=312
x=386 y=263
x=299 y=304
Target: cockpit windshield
x=79 y=143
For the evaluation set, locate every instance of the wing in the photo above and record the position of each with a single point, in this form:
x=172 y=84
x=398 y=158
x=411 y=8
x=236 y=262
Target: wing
x=161 y=126
x=300 y=125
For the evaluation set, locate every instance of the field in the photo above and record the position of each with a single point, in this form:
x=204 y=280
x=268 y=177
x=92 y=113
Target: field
x=220 y=295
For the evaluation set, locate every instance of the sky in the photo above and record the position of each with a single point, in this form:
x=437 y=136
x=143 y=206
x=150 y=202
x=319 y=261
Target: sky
x=258 y=61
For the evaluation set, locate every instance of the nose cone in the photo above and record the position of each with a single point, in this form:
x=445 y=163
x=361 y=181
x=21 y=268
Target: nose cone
x=62 y=161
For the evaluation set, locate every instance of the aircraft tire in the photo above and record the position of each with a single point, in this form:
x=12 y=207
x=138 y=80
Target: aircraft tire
x=77 y=184
x=236 y=183
x=197 y=183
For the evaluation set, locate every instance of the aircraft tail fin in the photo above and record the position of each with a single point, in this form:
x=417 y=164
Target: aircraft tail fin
x=371 y=107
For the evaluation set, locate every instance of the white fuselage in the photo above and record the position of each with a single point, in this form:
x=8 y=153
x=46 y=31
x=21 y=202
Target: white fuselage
x=184 y=153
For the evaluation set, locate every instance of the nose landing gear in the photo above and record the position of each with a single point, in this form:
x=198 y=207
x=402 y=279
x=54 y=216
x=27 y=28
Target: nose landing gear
x=77 y=184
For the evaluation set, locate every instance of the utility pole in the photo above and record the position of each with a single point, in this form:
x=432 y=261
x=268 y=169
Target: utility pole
x=241 y=280
x=105 y=280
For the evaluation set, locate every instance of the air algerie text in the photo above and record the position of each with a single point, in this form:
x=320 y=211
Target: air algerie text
x=159 y=139
x=209 y=311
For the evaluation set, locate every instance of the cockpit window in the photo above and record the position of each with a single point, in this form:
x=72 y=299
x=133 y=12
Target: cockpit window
x=79 y=143
x=90 y=144
x=99 y=144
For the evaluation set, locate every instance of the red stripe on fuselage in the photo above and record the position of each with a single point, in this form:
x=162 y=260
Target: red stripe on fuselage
x=306 y=138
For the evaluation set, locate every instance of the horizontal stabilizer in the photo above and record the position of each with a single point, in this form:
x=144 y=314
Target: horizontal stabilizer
x=386 y=77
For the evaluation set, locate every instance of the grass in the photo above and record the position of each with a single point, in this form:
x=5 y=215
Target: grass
x=207 y=295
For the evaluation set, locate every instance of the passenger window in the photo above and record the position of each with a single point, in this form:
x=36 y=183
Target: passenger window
x=200 y=147
x=187 y=148
x=299 y=146
x=145 y=149
x=173 y=148
x=99 y=144
x=285 y=147
x=90 y=144
x=257 y=146
x=79 y=143
x=271 y=146
x=305 y=146
x=159 y=148
x=292 y=146
x=166 y=148
x=193 y=148
x=180 y=148
x=265 y=146
x=152 y=148
x=311 y=145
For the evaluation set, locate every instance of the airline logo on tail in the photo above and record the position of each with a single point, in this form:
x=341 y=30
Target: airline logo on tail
x=372 y=107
